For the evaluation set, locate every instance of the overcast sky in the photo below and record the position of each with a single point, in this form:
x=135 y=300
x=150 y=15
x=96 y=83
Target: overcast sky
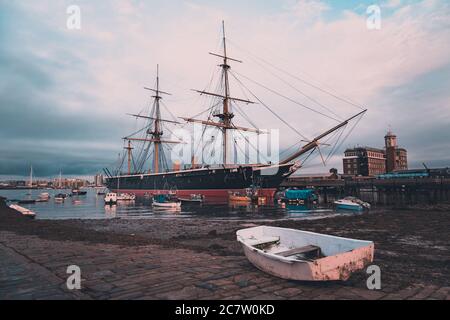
x=64 y=94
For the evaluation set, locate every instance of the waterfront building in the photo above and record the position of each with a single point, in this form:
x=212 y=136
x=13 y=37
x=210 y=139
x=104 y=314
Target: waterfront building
x=70 y=183
x=368 y=161
x=98 y=180
x=364 y=161
x=396 y=157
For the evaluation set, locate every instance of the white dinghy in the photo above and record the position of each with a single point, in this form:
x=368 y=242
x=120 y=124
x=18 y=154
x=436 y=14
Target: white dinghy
x=24 y=211
x=301 y=255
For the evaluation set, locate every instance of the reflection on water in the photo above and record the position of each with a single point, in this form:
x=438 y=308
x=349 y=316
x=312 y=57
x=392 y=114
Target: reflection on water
x=91 y=206
x=110 y=211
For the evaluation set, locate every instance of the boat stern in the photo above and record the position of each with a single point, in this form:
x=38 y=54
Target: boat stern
x=341 y=266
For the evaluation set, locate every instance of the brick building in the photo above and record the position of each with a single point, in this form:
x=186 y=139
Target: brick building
x=396 y=157
x=367 y=161
x=364 y=161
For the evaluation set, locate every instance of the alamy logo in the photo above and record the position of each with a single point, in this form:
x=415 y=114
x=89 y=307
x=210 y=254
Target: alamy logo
x=74 y=280
x=374 y=17
x=374 y=281
x=206 y=147
x=74 y=18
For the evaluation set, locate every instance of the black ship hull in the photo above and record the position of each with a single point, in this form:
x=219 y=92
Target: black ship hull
x=213 y=183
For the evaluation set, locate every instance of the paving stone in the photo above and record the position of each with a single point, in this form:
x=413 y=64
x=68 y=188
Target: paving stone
x=206 y=285
x=288 y=292
x=28 y=271
x=425 y=293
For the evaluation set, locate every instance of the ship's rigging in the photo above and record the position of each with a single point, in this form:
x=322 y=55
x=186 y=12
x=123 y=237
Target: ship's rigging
x=151 y=143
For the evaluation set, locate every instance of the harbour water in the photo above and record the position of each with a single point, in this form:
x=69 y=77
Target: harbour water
x=92 y=206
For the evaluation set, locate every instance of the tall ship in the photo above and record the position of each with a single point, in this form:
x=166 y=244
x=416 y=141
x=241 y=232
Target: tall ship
x=149 y=171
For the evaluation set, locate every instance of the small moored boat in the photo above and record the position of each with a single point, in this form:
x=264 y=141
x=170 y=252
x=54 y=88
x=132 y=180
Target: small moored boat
x=351 y=203
x=60 y=197
x=112 y=197
x=238 y=197
x=166 y=201
x=301 y=255
x=27 y=201
x=126 y=197
x=101 y=192
x=299 y=196
x=194 y=199
x=43 y=197
x=78 y=192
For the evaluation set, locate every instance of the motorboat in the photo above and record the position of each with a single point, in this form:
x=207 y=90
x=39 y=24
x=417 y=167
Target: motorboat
x=60 y=197
x=112 y=197
x=126 y=197
x=194 y=199
x=44 y=197
x=299 y=196
x=101 y=192
x=78 y=192
x=351 y=203
x=301 y=255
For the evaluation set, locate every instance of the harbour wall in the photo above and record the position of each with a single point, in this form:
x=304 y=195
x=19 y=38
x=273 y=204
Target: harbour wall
x=393 y=192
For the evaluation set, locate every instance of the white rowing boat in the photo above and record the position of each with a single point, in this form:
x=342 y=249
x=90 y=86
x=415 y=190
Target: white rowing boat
x=301 y=255
x=24 y=211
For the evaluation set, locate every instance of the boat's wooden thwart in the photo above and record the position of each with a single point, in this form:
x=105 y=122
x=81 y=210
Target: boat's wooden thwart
x=315 y=250
x=301 y=255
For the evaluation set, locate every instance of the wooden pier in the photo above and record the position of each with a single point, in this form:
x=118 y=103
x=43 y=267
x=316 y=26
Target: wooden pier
x=382 y=191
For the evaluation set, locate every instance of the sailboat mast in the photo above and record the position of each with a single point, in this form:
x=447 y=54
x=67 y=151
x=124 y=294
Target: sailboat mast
x=31 y=176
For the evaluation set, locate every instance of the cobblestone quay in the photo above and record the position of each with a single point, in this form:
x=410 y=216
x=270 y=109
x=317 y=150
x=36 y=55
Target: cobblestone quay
x=200 y=259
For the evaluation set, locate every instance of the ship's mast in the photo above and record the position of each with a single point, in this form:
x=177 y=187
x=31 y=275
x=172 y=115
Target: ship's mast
x=156 y=131
x=225 y=115
x=129 y=148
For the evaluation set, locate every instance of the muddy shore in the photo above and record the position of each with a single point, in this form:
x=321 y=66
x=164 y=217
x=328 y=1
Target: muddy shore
x=412 y=247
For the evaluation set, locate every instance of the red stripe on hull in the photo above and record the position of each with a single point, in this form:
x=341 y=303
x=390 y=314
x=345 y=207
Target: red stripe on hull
x=210 y=194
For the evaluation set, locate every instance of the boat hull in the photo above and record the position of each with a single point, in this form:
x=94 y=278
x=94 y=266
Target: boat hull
x=212 y=183
x=338 y=266
x=330 y=269
x=167 y=204
x=351 y=207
